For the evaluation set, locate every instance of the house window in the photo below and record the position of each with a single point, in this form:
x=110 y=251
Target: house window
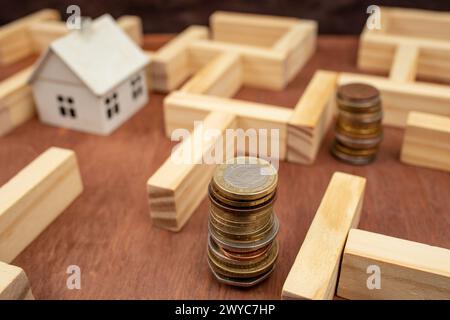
x=66 y=106
x=136 y=87
x=112 y=105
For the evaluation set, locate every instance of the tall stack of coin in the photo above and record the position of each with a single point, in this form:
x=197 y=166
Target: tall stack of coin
x=242 y=249
x=358 y=128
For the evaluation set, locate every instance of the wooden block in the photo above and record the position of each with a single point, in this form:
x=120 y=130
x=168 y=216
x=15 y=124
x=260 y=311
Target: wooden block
x=171 y=64
x=249 y=29
x=377 y=51
x=401 y=98
x=408 y=270
x=148 y=69
x=311 y=118
x=132 y=25
x=176 y=189
x=298 y=45
x=15 y=42
x=182 y=109
x=43 y=33
x=32 y=199
x=404 y=67
x=16 y=101
x=427 y=141
x=221 y=77
x=419 y=23
x=262 y=68
x=315 y=270
x=14 y=283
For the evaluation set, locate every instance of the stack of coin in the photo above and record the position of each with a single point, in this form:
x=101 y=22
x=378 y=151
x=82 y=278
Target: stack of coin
x=242 y=249
x=358 y=128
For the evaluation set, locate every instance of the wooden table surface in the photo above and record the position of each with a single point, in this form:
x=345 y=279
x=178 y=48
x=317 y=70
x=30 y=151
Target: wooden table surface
x=107 y=231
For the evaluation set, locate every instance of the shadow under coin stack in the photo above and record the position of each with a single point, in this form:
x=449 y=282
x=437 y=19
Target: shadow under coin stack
x=358 y=128
x=242 y=249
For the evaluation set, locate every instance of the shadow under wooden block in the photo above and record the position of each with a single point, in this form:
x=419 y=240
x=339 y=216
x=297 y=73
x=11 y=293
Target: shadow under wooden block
x=311 y=118
x=314 y=273
x=399 y=98
x=406 y=269
x=426 y=141
x=16 y=101
x=33 y=198
x=176 y=189
x=14 y=283
x=15 y=40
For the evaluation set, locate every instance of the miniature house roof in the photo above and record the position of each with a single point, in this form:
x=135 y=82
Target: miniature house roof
x=100 y=54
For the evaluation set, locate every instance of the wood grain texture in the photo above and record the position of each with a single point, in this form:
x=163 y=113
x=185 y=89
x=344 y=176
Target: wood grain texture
x=404 y=66
x=425 y=30
x=311 y=118
x=16 y=101
x=15 y=41
x=108 y=233
x=221 y=77
x=314 y=274
x=14 y=283
x=408 y=270
x=33 y=198
x=181 y=183
x=401 y=98
x=427 y=141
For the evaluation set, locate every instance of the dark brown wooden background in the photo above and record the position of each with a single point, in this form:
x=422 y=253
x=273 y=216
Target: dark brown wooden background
x=107 y=231
x=334 y=16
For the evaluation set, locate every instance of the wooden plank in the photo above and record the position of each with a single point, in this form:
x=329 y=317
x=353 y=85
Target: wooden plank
x=16 y=101
x=298 y=45
x=262 y=68
x=32 y=199
x=377 y=50
x=15 y=42
x=171 y=64
x=132 y=25
x=419 y=23
x=148 y=69
x=176 y=189
x=42 y=33
x=401 y=98
x=408 y=270
x=182 y=109
x=311 y=118
x=404 y=66
x=249 y=29
x=221 y=77
x=14 y=283
x=426 y=141
x=315 y=270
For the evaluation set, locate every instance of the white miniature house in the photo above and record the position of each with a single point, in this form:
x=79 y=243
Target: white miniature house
x=90 y=80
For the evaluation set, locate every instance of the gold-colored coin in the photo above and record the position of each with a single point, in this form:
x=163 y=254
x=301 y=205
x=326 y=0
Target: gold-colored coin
x=241 y=282
x=245 y=245
x=245 y=178
x=358 y=97
x=242 y=249
x=247 y=271
x=352 y=156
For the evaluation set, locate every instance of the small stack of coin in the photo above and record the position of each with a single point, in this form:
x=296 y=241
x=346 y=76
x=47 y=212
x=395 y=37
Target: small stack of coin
x=358 y=128
x=242 y=249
